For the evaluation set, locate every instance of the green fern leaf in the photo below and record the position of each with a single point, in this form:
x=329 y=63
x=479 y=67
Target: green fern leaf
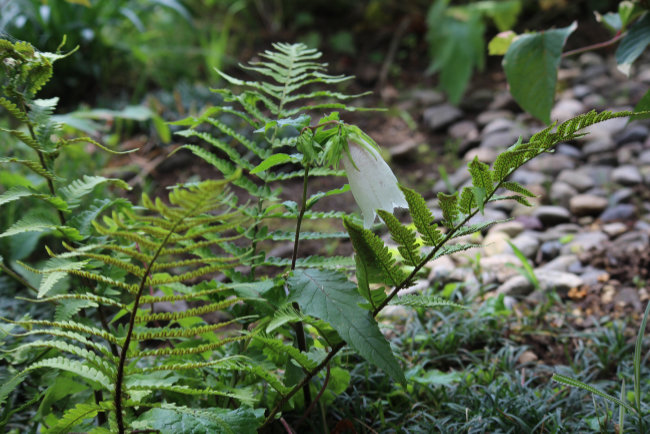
x=77 y=189
x=39 y=222
x=404 y=237
x=375 y=255
x=481 y=176
x=241 y=395
x=517 y=188
x=422 y=217
x=75 y=367
x=467 y=201
x=93 y=359
x=73 y=417
x=31 y=165
x=450 y=209
x=280 y=347
x=424 y=301
x=13 y=110
x=18 y=192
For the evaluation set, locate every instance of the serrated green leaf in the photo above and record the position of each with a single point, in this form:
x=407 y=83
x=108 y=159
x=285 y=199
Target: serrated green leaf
x=40 y=223
x=422 y=217
x=170 y=419
x=531 y=65
x=330 y=296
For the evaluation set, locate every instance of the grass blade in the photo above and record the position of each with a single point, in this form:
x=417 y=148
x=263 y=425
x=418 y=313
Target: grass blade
x=575 y=383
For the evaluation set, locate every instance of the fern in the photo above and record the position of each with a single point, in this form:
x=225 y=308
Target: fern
x=193 y=213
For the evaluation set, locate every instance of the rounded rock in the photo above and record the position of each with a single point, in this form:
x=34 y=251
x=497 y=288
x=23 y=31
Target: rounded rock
x=587 y=204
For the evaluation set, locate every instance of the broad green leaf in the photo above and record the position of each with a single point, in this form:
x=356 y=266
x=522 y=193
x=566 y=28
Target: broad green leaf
x=633 y=44
x=330 y=296
x=271 y=161
x=531 y=65
x=499 y=45
x=171 y=419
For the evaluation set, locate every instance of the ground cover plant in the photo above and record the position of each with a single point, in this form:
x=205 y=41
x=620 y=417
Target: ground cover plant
x=130 y=367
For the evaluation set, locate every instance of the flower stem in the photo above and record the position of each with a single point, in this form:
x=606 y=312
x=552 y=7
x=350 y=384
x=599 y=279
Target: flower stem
x=597 y=46
x=298 y=327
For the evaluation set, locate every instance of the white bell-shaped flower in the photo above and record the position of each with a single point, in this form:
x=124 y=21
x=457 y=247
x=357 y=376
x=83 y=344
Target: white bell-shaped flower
x=373 y=184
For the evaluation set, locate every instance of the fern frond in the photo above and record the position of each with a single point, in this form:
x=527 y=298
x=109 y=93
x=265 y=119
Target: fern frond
x=73 y=417
x=197 y=311
x=146 y=299
x=96 y=299
x=93 y=359
x=189 y=350
x=374 y=253
x=172 y=333
x=240 y=395
x=77 y=337
x=41 y=222
x=425 y=301
x=422 y=217
x=289 y=236
x=13 y=110
x=75 y=367
x=403 y=236
x=450 y=209
x=31 y=165
x=315 y=261
x=280 y=347
x=77 y=189
x=18 y=192
x=67 y=325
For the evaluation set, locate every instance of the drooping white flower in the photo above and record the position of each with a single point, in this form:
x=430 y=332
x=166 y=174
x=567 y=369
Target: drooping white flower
x=373 y=184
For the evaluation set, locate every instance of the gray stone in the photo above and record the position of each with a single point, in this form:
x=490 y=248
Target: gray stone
x=587 y=204
x=604 y=158
x=440 y=116
x=488 y=116
x=598 y=173
x=551 y=164
x=530 y=222
x=644 y=157
x=499 y=267
x=627 y=175
x=632 y=241
x=502 y=139
x=566 y=109
x=465 y=130
x=561 y=193
x=584 y=242
x=441 y=268
x=427 y=97
x=590 y=58
x=490 y=214
x=498 y=125
x=511 y=228
x=592 y=276
x=621 y=195
x=620 y=212
x=633 y=133
x=569 y=150
x=559 y=231
x=552 y=215
x=599 y=145
x=614 y=229
x=486 y=155
x=582 y=90
x=550 y=249
x=560 y=263
x=496 y=243
x=548 y=280
x=456 y=179
x=594 y=101
x=526 y=243
x=528 y=177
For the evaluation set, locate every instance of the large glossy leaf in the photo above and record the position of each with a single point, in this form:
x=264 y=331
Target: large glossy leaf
x=531 y=69
x=330 y=296
x=633 y=44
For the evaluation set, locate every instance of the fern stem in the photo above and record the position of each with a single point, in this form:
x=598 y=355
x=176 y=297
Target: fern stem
x=300 y=329
x=16 y=277
x=119 y=380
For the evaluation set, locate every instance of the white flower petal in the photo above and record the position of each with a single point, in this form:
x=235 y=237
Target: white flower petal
x=373 y=184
